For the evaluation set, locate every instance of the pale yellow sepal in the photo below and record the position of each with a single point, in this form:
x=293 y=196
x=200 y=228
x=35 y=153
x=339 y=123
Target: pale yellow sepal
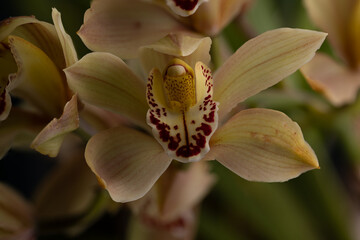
x=112 y=86
x=49 y=140
x=190 y=49
x=128 y=162
x=65 y=40
x=32 y=78
x=121 y=27
x=339 y=84
x=262 y=62
x=263 y=145
x=10 y=24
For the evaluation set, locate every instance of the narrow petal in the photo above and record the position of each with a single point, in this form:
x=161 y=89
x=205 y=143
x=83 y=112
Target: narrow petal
x=16 y=215
x=184 y=135
x=38 y=80
x=262 y=62
x=187 y=190
x=65 y=39
x=184 y=8
x=121 y=27
x=187 y=48
x=338 y=83
x=111 y=85
x=263 y=145
x=49 y=140
x=127 y=162
x=332 y=16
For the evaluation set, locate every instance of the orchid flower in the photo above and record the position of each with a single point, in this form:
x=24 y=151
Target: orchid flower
x=34 y=54
x=16 y=215
x=121 y=27
x=339 y=81
x=191 y=125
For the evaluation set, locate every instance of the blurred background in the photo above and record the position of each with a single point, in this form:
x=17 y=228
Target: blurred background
x=320 y=204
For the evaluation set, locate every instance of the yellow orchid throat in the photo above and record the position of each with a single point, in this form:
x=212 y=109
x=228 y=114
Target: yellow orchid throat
x=182 y=114
x=179 y=85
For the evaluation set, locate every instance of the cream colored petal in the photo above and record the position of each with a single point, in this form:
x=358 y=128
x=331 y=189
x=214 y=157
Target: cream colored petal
x=19 y=129
x=332 y=16
x=16 y=215
x=338 y=83
x=110 y=85
x=262 y=62
x=263 y=145
x=190 y=49
x=121 y=27
x=354 y=31
x=127 y=162
x=188 y=188
x=41 y=34
x=214 y=15
x=184 y=8
x=49 y=140
x=65 y=39
x=184 y=134
x=38 y=80
x=10 y=24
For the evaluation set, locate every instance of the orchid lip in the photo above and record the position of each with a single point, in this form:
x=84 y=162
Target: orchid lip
x=182 y=114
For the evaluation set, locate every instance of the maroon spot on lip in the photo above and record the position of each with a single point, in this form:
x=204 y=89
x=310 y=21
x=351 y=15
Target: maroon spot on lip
x=210 y=118
x=186 y=4
x=206 y=128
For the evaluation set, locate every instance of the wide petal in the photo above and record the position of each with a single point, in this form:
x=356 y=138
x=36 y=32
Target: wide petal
x=263 y=145
x=121 y=27
x=262 y=62
x=190 y=49
x=111 y=85
x=16 y=215
x=65 y=39
x=49 y=140
x=332 y=16
x=184 y=8
x=126 y=161
x=41 y=34
x=338 y=83
x=184 y=135
x=38 y=80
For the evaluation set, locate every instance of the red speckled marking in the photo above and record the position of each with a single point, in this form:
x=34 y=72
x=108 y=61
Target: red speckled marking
x=187 y=5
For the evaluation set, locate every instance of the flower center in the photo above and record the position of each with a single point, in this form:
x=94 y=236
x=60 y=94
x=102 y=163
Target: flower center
x=179 y=86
